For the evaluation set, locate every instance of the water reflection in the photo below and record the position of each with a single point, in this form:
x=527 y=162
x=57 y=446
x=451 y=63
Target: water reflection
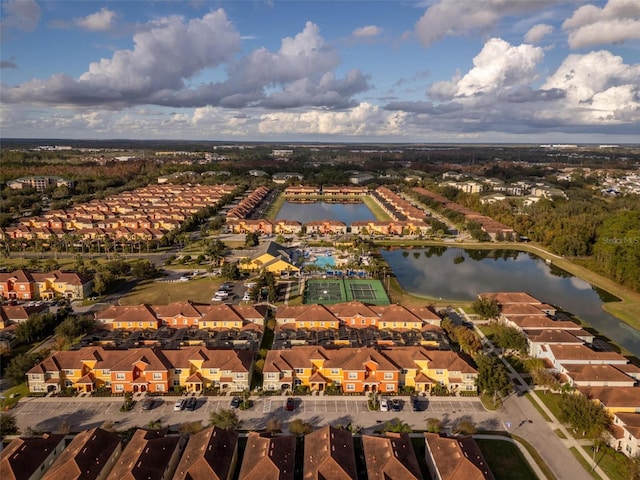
x=458 y=274
x=343 y=212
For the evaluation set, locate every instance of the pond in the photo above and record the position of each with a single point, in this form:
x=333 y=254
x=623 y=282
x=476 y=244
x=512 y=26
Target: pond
x=457 y=274
x=343 y=212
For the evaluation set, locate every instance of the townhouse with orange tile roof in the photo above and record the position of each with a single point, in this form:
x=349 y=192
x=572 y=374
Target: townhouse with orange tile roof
x=29 y=457
x=180 y=315
x=626 y=433
x=329 y=453
x=326 y=227
x=149 y=454
x=243 y=225
x=614 y=399
x=142 y=370
x=590 y=375
x=211 y=454
x=91 y=454
x=366 y=369
x=18 y=285
x=356 y=315
x=390 y=456
x=10 y=314
x=268 y=458
x=302 y=191
x=286 y=227
x=453 y=458
x=65 y=284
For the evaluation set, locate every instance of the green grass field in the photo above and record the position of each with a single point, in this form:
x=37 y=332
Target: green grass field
x=163 y=293
x=505 y=460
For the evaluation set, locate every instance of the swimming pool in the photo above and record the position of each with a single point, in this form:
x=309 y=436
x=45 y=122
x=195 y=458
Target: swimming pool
x=323 y=261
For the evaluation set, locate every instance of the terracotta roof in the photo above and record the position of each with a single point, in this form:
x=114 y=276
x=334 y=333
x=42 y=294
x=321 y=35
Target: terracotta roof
x=186 y=308
x=631 y=422
x=552 y=336
x=532 y=322
x=23 y=456
x=504 y=298
x=352 y=309
x=146 y=455
x=457 y=458
x=390 y=457
x=209 y=455
x=520 y=309
x=268 y=458
x=596 y=373
x=85 y=457
x=566 y=353
x=329 y=453
x=20 y=313
x=614 y=397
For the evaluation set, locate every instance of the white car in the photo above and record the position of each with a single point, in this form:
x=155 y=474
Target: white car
x=250 y=284
x=384 y=405
x=179 y=405
x=222 y=294
x=246 y=297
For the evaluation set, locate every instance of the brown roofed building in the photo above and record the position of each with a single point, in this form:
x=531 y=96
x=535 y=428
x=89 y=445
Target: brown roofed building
x=90 y=456
x=615 y=399
x=210 y=455
x=28 y=458
x=504 y=298
x=455 y=458
x=268 y=458
x=329 y=453
x=149 y=455
x=628 y=425
x=18 y=313
x=390 y=457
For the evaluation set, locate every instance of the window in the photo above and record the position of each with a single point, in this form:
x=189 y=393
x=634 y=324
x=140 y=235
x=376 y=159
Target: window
x=139 y=324
x=335 y=371
x=353 y=321
x=129 y=324
x=240 y=376
x=175 y=322
x=68 y=372
x=351 y=387
x=469 y=388
x=321 y=324
x=157 y=376
x=363 y=321
x=177 y=371
x=299 y=371
x=119 y=387
x=176 y=383
x=439 y=371
x=353 y=375
x=272 y=375
x=119 y=376
x=106 y=372
x=390 y=387
x=388 y=376
x=384 y=324
x=404 y=371
x=213 y=371
x=21 y=287
x=160 y=387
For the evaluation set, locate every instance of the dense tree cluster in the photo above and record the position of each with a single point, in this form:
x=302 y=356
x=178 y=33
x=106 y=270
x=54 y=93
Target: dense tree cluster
x=585 y=416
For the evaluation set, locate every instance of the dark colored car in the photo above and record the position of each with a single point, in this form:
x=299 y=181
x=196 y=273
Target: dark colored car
x=235 y=403
x=148 y=404
x=192 y=403
x=419 y=405
x=291 y=404
x=396 y=405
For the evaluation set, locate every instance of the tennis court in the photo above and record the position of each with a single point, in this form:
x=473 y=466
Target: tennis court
x=328 y=292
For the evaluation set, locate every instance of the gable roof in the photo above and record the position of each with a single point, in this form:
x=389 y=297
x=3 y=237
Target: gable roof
x=390 y=457
x=209 y=455
x=457 y=458
x=268 y=458
x=146 y=456
x=329 y=453
x=23 y=456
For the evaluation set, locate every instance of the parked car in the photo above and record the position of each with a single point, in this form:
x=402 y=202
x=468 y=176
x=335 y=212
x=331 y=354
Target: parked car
x=291 y=404
x=419 y=405
x=191 y=404
x=396 y=405
x=148 y=404
x=384 y=405
x=235 y=402
x=179 y=405
x=250 y=284
x=246 y=297
x=222 y=294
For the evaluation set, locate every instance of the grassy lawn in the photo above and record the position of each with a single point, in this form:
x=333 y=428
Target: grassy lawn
x=19 y=391
x=587 y=466
x=559 y=433
x=487 y=402
x=272 y=212
x=162 y=293
x=377 y=211
x=505 y=460
x=614 y=464
x=551 y=400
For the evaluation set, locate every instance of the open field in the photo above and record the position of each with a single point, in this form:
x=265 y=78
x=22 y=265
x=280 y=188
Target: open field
x=377 y=211
x=162 y=293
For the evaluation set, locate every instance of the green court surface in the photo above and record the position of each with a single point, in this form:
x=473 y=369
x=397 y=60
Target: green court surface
x=330 y=291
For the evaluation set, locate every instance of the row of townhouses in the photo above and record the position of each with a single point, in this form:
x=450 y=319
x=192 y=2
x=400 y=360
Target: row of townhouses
x=145 y=213
x=567 y=350
x=488 y=224
x=301 y=191
x=214 y=453
x=134 y=370
x=248 y=203
x=26 y=285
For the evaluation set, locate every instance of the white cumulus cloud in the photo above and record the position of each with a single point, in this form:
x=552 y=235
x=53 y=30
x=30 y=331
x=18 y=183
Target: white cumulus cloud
x=367 y=31
x=537 y=33
x=458 y=17
x=617 y=21
x=101 y=21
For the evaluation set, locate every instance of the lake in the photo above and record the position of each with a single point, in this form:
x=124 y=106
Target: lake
x=343 y=212
x=457 y=274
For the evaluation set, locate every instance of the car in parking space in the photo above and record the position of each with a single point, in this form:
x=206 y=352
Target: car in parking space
x=235 y=402
x=384 y=405
x=246 y=297
x=419 y=405
x=148 y=403
x=290 y=405
x=396 y=405
x=179 y=405
x=250 y=285
x=191 y=404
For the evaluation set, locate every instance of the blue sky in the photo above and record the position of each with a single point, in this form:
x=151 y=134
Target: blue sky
x=539 y=71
